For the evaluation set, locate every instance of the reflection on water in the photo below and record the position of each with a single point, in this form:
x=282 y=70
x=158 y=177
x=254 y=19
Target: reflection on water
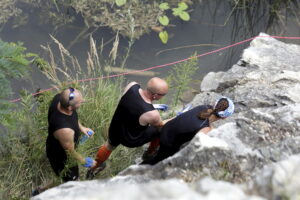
x=214 y=24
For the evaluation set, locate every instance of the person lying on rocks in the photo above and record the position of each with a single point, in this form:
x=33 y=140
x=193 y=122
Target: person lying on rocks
x=184 y=127
x=135 y=121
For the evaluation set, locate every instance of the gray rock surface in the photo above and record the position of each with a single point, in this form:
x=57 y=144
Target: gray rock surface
x=205 y=189
x=251 y=153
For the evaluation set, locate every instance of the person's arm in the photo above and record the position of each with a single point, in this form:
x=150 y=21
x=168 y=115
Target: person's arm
x=205 y=130
x=167 y=120
x=66 y=138
x=152 y=118
x=85 y=130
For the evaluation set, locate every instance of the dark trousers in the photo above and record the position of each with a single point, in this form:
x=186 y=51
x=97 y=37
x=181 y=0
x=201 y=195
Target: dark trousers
x=163 y=153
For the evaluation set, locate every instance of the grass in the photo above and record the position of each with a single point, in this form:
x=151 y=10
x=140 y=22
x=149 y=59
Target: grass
x=180 y=78
x=24 y=164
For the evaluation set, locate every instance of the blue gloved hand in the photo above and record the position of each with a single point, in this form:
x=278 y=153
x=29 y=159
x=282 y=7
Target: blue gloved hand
x=186 y=108
x=163 y=107
x=88 y=162
x=85 y=137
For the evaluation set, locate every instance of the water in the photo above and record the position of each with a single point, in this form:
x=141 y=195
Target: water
x=213 y=25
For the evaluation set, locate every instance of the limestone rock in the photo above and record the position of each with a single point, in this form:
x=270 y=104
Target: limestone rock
x=252 y=152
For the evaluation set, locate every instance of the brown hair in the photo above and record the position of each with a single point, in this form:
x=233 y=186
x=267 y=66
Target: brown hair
x=221 y=106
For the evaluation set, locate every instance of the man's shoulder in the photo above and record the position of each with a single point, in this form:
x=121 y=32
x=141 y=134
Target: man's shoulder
x=64 y=133
x=151 y=116
x=129 y=85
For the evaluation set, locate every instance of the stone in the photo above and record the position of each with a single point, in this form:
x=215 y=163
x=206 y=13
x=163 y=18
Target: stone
x=256 y=151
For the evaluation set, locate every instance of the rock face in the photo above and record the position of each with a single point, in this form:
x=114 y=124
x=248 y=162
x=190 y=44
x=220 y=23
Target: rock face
x=252 y=155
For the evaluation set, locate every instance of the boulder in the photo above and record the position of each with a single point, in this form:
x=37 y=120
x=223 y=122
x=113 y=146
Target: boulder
x=256 y=151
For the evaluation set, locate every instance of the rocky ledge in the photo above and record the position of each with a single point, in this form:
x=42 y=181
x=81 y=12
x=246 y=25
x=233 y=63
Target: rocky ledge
x=253 y=155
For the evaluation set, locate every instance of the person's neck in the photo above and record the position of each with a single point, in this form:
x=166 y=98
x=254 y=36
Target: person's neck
x=146 y=96
x=64 y=110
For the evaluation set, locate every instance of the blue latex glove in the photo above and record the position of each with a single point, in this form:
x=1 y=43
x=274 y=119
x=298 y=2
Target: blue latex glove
x=163 y=107
x=186 y=108
x=88 y=162
x=85 y=137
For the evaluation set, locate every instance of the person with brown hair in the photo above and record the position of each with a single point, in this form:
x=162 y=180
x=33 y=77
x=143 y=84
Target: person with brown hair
x=184 y=127
x=135 y=121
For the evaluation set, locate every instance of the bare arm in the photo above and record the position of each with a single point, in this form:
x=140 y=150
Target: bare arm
x=167 y=120
x=153 y=118
x=66 y=138
x=205 y=130
x=84 y=129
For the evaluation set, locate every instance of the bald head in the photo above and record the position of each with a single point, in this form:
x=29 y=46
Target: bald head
x=157 y=86
x=70 y=97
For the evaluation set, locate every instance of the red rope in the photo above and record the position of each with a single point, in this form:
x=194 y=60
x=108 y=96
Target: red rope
x=164 y=65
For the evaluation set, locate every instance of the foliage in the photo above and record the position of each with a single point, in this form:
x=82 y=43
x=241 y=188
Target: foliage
x=131 y=18
x=8 y=10
x=180 y=78
x=179 y=11
x=164 y=36
x=120 y=2
x=22 y=154
x=49 y=12
x=24 y=165
x=14 y=63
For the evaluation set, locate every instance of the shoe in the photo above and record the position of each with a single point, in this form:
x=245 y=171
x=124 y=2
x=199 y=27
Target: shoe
x=35 y=192
x=91 y=173
x=149 y=154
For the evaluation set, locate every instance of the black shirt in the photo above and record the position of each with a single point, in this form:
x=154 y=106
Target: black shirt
x=125 y=126
x=58 y=120
x=183 y=128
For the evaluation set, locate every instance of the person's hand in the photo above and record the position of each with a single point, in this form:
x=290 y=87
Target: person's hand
x=186 y=108
x=163 y=107
x=87 y=131
x=94 y=164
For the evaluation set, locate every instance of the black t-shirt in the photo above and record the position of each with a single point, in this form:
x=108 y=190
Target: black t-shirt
x=58 y=120
x=125 y=126
x=183 y=128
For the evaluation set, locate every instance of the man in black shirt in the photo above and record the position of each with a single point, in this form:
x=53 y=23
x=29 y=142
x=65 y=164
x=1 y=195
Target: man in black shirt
x=135 y=121
x=63 y=134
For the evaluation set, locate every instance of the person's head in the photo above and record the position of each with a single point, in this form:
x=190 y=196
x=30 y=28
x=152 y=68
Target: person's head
x=70 y=99
x=157 y=88
x=222 y=109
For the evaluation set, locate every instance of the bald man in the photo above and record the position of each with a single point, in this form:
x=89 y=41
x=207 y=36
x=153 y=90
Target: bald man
x=135 y=121
x=63 y=134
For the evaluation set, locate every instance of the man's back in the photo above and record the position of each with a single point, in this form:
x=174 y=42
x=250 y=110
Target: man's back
x=128 y=112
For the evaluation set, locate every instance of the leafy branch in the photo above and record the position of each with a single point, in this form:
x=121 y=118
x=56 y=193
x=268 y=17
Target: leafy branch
x=180 y=12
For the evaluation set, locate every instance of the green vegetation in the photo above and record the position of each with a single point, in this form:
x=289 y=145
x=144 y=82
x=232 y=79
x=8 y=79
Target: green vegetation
x=17 y=150
x=122 y=16
x=134 y=18
x=14 y=64
x=180 y=11
x=23 y=163
x=180 y=78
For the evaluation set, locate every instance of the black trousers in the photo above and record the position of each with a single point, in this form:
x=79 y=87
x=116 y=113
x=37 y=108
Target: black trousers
x=163 y=153
x=68 y=174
